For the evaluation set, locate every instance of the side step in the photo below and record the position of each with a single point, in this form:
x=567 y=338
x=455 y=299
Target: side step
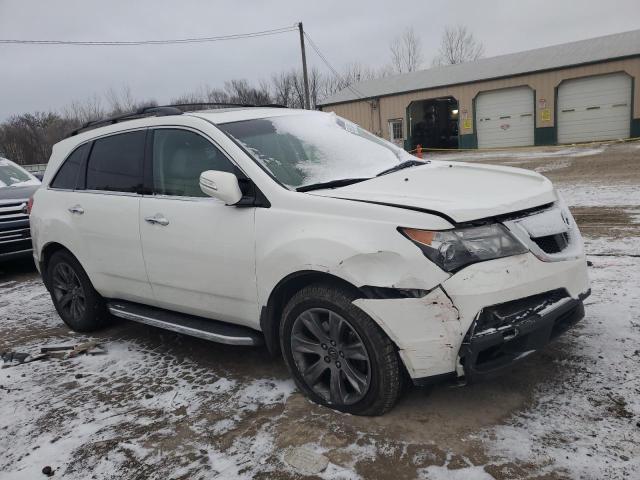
x=213 y=330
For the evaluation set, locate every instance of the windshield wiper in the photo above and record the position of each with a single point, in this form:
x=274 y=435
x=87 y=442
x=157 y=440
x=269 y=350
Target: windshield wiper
x=402 y=166
x=343 y=182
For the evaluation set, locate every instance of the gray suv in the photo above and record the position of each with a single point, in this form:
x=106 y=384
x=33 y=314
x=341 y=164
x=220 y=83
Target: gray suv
x=16 y=188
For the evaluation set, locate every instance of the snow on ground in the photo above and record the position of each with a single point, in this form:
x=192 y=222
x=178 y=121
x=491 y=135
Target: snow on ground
x=94 y=413
x=526 y=155
x=585 y=423
x=612 y=246
x=597 y=195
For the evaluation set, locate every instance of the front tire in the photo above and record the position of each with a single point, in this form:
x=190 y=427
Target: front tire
x=338 y=356
x=73 y=295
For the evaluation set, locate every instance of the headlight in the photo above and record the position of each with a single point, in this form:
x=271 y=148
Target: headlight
x=453 y=249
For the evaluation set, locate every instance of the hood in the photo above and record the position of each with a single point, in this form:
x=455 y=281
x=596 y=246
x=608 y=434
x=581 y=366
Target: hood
x=17 y=193
x=460 y=191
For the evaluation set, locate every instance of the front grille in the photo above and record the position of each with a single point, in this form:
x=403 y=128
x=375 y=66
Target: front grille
x=13 y=211
x=553 y=243
x=8 y=236
x=19 y=246
x=15 y=235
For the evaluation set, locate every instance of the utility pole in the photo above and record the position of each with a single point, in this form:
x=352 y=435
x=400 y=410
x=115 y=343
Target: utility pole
x=307 y=102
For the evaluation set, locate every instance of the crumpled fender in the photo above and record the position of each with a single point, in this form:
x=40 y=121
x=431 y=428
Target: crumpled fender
x=427 y=330
x=404 y=269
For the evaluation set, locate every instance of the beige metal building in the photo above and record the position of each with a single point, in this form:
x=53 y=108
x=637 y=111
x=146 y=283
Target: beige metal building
x=574 y=92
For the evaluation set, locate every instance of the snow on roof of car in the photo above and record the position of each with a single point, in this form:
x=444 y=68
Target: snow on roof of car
x=592 y=50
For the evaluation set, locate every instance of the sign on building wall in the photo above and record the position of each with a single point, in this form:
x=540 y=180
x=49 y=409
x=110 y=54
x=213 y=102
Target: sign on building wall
x=466 y=124
x=545 y=115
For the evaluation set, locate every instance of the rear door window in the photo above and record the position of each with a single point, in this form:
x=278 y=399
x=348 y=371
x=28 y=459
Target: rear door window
x=179 y=157
x=116 y=163
x=67 y=176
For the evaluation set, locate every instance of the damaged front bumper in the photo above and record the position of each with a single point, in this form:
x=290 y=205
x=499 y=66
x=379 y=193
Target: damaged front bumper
x=504 y=334
x=483 y=318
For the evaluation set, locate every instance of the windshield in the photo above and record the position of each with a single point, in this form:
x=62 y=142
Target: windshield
x=11 y=175
x=315 y=147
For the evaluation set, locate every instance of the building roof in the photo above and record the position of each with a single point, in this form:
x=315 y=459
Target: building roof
x=593 y=50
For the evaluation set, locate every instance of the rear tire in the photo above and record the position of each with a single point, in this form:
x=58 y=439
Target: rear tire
x=73 y=295
x=338 y=356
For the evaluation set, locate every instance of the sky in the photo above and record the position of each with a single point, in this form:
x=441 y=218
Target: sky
x=47 y=77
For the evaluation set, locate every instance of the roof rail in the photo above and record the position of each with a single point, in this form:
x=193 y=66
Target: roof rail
x=156 y=111
x=161 y=111
x=226 y=104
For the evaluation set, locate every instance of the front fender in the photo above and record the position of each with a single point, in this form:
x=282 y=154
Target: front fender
x=360 y=253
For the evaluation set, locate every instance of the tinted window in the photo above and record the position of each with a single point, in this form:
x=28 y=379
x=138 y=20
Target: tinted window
x=115 y=163
x=179 y=157
x=67 y=176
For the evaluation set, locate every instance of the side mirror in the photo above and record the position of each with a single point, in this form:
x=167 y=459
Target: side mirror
x=221 y=185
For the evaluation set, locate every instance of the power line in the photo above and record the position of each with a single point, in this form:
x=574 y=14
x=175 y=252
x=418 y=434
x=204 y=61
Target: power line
x=219 y=38
x=333 y=70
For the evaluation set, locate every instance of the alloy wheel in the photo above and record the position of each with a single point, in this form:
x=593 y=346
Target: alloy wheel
x=330 y=356
x=68 y=291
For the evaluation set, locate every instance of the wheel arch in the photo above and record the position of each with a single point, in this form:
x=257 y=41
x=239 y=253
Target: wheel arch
x=45 y=256
x=271 y=313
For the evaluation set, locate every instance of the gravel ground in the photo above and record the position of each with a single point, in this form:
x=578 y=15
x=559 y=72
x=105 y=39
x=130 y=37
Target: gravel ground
x=161 y=405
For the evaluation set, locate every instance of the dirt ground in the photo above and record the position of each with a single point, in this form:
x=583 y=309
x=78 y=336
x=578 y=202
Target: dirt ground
x=162 y=405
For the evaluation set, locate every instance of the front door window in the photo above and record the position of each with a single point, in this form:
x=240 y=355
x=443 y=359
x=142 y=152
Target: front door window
x=179 y=157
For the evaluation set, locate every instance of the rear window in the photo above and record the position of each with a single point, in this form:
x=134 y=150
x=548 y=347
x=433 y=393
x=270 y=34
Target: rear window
x=67 y=176
x=116 y=163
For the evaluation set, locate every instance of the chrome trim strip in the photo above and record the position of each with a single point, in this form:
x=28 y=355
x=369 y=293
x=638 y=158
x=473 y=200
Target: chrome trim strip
x=13 y=207
x=4 y=241
x=16 y=252
x=154 y=322
x=13 y=201
x=109 y=192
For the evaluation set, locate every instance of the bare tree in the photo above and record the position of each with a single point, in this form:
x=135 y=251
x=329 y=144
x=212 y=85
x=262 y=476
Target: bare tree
x=282 y=88
x=81 y=112
x=353 y=72
x=406 y=52
x=28 y=138
x=120 y=101
x=193 y=97
x=123 y=101
x=458 y=45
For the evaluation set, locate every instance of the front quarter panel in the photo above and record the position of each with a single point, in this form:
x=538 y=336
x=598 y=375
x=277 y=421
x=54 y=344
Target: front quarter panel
x=358 y=243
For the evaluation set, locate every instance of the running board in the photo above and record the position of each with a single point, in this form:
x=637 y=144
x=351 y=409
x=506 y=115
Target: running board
x=191 y=325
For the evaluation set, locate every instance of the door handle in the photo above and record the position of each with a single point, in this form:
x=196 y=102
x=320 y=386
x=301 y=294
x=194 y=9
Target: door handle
x=76 y=209
x=157 y=219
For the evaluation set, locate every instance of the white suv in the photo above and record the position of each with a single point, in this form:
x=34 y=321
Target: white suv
x=363 y=265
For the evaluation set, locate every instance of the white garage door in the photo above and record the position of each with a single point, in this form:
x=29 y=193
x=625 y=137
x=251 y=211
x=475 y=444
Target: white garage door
x=594 y=108
x=505 y=118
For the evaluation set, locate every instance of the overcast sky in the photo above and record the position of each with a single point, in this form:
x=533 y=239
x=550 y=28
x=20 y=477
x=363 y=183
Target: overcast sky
x=41 y=77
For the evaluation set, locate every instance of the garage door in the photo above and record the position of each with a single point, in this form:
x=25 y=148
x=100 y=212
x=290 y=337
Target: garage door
x=594 y=108
x=504 y=118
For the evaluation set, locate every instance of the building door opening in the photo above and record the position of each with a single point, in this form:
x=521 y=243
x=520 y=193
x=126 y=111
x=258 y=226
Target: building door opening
x=433 y=123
